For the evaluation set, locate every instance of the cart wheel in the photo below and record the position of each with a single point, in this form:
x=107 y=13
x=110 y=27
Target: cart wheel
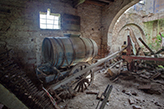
x=83 y=81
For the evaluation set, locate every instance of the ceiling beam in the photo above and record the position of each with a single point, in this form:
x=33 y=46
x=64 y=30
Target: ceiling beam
x=96 y=2
x=77 y=2
x=106 y=1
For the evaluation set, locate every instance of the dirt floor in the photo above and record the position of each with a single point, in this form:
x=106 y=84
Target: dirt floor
x=141 y=90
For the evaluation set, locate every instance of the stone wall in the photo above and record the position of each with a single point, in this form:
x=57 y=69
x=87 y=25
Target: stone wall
x=19 y=26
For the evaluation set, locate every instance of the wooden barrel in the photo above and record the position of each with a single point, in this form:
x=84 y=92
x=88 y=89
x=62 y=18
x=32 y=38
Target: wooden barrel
x=62 y=52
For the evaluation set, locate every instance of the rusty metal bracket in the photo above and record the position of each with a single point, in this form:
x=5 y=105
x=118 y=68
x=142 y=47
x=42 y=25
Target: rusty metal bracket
x=131 y=58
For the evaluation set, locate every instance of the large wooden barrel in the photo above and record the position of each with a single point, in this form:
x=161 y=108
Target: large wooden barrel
x=62 y=52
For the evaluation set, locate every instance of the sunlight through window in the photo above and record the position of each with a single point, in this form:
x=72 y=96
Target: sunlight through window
x=49 y=20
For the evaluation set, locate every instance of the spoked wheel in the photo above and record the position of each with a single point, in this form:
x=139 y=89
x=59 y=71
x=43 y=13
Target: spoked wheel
x=83 y=81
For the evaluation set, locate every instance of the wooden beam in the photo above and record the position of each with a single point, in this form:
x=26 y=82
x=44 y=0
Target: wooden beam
x=106 y=1
x=77 y=2
x=95 y=3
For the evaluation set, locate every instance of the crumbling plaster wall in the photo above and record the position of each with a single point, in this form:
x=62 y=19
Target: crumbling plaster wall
x=152 y=29
x=19 y=26
x=154 y=21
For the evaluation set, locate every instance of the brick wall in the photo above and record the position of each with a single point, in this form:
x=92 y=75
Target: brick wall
x=19 y=26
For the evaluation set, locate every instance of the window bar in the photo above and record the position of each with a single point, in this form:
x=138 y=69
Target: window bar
x=53 y=22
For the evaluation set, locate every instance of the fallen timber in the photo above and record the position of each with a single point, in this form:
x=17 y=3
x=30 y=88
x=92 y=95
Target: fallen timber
x=106 y=94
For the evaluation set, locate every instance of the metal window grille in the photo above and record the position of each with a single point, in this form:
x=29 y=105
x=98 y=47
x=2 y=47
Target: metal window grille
x=49 y=20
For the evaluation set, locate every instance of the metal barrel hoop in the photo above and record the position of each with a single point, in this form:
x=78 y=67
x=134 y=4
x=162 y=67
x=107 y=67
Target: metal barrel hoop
x=63 y=49
x=54 y=48
x=57 y=51
x=92 y=48
x=85 y=48
x=74 y=53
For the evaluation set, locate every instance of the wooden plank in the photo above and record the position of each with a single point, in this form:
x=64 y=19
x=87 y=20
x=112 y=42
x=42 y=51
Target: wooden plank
x=147 y=46
x=95 y=3
x=77 y=2
x=155 y=75
x=70 y=22
x=92 y=92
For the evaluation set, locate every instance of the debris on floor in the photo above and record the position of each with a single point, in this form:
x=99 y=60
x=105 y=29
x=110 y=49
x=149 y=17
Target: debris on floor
x=130 y=91
x=92 y=92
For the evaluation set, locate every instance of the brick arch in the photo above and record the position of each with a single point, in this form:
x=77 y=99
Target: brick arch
x=110 y=15
x=134 y=29
x=110 y=20
x=134 y=24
